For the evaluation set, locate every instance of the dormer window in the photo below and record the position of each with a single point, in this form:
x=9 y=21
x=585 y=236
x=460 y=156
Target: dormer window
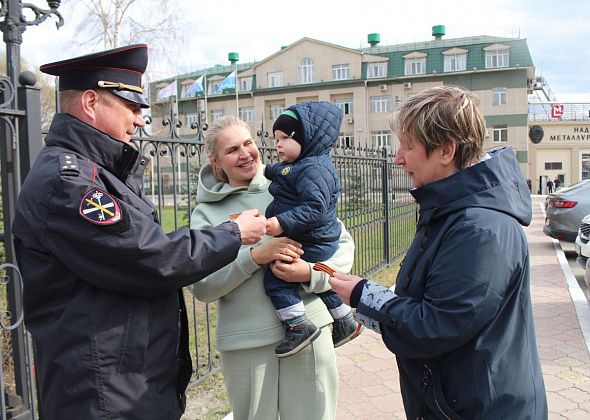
x=415 y=63
x=455 y=59
x=497 y=56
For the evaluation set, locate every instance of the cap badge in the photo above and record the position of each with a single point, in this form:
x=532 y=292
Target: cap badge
x=101 y=208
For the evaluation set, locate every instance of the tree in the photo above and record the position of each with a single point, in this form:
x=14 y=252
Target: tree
x=114 y=23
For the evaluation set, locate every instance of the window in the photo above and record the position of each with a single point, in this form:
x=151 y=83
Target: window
x=415 y=66
x=275 y=79
x=499 y=96
x=276 y=110
x=380 y=103
x=345 y=140
x=306 y=71
x=245 y=84
x=497 y=58
x=500 y=134
x=557 y=166
x=585 y=166
x=216 y=113
x=345 y=104
x=192 y=119
x=247 y=113
x=381 y=138
x=376 y=70
x=341 y=71
x=455 y=62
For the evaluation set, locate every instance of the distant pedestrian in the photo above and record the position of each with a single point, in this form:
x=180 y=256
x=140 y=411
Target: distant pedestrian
x=530 y=185
x=556 y=183
x=549 y=186
x=460 y=318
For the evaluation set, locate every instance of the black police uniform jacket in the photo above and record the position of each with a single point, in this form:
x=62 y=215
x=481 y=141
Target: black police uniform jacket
x=102 y=280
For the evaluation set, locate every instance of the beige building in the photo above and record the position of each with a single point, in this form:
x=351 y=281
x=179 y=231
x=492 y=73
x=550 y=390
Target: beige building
x=559 y=144
x=367 y=84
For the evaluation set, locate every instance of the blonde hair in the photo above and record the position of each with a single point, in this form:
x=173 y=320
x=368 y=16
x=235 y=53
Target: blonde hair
x=441 y=115
x=211 y=136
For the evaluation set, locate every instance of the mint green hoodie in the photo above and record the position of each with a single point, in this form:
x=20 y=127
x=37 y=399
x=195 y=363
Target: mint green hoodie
x=246 y=317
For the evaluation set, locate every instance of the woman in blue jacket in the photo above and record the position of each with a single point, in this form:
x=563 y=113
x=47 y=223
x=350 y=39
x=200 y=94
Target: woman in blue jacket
x=460 y=318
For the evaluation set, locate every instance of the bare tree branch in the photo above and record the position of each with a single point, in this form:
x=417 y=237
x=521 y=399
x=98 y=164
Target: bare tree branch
x=114 y=23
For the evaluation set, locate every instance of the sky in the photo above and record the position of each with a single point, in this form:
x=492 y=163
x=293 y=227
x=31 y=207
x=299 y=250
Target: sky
x=557 y=32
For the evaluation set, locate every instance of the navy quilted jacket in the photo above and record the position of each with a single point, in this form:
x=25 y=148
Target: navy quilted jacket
x=306 y=192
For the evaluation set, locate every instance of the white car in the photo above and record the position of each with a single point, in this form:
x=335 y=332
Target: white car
x=582 y=242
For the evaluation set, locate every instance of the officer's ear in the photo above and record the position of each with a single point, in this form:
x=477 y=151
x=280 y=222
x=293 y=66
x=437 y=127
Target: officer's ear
x=88 y=104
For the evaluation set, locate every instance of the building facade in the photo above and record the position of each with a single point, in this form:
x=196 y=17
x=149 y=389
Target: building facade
x=367 y=84
x=559 y=147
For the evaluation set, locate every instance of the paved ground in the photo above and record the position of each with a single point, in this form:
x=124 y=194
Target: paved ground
x=369 y=387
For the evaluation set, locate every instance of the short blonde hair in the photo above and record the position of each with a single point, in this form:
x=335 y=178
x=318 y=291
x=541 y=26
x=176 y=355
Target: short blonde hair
x=211 y=136
x=441 y=115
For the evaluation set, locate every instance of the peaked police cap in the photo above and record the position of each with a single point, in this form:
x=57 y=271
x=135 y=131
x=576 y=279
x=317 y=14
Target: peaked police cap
x=119 y=70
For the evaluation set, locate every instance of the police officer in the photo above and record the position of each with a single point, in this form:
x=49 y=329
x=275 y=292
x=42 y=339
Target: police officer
x=102 y=281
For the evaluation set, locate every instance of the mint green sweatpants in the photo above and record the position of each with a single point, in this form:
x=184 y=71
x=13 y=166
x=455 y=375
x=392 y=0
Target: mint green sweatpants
x=303 y=386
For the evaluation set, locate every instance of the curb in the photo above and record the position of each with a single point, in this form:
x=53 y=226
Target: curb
x=577 y=295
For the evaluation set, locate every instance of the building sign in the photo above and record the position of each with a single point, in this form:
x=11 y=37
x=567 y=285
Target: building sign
x=557 y=111
x=571 y=134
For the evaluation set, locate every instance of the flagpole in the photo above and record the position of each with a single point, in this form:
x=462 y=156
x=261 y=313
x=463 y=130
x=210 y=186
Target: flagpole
x=206 y=88
x=233 y=57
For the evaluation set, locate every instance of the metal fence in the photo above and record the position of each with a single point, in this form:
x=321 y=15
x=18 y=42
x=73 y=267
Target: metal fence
x=558 y=111
x=374 y=205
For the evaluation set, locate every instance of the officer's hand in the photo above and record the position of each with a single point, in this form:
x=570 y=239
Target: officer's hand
x=252 y=225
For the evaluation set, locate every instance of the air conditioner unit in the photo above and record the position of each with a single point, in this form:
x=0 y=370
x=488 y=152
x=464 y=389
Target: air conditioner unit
x=349 y=120
x=407 y=85
x=383 y=87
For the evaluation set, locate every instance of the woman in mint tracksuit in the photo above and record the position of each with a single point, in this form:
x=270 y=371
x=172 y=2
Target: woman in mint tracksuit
x=261 y=386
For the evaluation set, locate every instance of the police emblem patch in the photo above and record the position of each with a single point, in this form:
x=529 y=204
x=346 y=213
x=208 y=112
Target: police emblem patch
x=285 y=170
x=101 y=208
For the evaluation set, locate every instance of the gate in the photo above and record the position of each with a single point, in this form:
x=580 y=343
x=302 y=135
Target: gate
x=20 y=136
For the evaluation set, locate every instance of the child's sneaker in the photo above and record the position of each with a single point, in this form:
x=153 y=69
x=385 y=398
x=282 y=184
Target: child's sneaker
x=345 y=329
x=297 y=337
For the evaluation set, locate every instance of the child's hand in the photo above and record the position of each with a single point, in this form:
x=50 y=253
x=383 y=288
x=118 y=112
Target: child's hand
x=273 y=227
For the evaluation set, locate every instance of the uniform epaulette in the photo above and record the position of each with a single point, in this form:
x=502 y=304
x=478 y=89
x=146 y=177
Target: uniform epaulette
x=68 y=163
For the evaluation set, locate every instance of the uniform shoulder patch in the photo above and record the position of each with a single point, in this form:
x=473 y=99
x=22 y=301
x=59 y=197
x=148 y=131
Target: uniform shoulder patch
x=101 y=208
x=68 y=163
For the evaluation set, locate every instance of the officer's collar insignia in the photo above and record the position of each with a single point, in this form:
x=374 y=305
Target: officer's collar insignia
x=286 y=170
x=101 y=208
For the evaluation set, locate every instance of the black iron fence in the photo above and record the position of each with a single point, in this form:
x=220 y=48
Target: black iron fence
x=374 y=205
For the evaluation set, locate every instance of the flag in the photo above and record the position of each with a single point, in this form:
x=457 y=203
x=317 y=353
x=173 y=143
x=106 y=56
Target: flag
x=167 y=91
x=195 y=89
x=228 y=83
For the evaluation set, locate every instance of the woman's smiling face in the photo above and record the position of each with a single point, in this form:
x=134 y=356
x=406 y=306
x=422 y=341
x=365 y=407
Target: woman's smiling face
x=237 y=155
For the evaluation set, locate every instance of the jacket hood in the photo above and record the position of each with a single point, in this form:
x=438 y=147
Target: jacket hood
x=495 y=183
x=210 y=189
x=321 y=126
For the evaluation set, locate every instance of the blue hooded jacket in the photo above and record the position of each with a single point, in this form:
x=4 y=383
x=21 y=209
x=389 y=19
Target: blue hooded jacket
x=460 y=320
x=306 y=191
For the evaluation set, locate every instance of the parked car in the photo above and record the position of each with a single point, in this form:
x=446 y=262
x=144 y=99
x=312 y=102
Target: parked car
x=582 y=243
x=565 y=209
